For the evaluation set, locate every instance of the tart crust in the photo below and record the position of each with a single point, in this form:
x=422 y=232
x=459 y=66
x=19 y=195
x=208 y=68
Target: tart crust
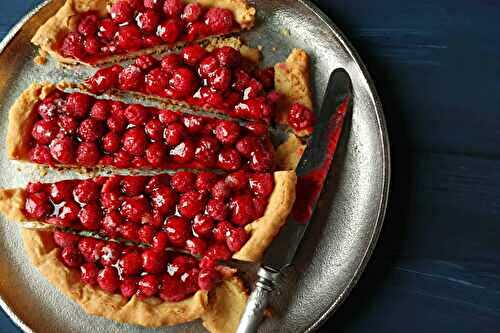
x=262 y=231
x=153 y=312
x=67 y=17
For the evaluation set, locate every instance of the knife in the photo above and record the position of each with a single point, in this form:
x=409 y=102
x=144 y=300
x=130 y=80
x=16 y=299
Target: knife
x=312 y=171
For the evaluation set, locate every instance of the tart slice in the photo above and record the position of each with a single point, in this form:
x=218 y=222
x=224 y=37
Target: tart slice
x=212 y=216
x=50 y=127
x=222 y=78
x=95 y=32
x=134 y=285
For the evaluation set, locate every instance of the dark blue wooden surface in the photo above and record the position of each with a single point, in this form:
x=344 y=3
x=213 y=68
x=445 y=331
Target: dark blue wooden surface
x=436 y=64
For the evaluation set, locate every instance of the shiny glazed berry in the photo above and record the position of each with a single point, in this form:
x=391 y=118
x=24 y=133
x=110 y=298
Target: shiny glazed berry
x=183 y=152
x=205 y=180
x=77 y=105
x=108 y=279
x=163 y=199
x=71 y=257
x=190 y=204
x=148 y=21
x=177 y=229
x=237 y=180
x=88 y=273
x=183 y=81
x=236 y=239
x=173 y=8
x=153 y=261
x=37 y=205
x=219 y=20
x=62 y=149
x=130 y=264
x=208 y=278
x=174 y=134
x=129 y=38
x=100 y=110
x=300 y=117
x=90 y=130
x=192 y=12
x=61 y=191
x=133 y=208
x=229 y=159
x=111 y=142
x=133 y=185
x=128 y=287
x=227 y=56
x=130 y=78
x=261 y=184
x=183 y=181
x=110 y=253
x=44 y=131
x=227 y=131
x=89 y=216
x=169 y=31
x=86 y=191
x=192 y=54
x=64 y=239
x=202 y=225
x=88 y=154
x=156 y=81
x=134 y=141
x=148 y=286
x=88 y=25
x=121 y=11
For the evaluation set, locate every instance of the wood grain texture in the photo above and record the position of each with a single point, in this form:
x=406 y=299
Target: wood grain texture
x=436 y=65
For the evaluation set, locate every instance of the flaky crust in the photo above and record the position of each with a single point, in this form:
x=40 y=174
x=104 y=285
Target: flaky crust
x=22 y=116
x=153 y=312
x=288 y=154
x=292 y=80
x=68 y=16
x=263 y=230
x=226 y=306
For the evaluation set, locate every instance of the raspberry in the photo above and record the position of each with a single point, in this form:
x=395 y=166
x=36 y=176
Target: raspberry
x=148 y=286
x=116 y=124
x=88 y=154
x=130 y=78
x=218 y=251
x=192 y=12
x=196 y=30
x=205 y=180
x=111 y=142
x=229 y=159
x=153 y=4
x=257 y=128
x=100 y=110
x=108 y=279
x=241 y=79
x=217 y=209
x=107 y=29
x=86 y=191
x=173 y=134
x=129 y=287
x=72 y=46
x=156 y=81
x=193 y=124
x=88 y=273
x=253 y=90
x=129 y=38
x=130 y=264
x=183 y=181
x=104 y=79
x=220 y=79
x=300 y=117
x=148 y=21
x=90 y=248
x=192 y=54
x=237 y=180
x=111 y=222
x=91 y=45
x=68 y=214
x=129 y=231
x=219 y=20
x=177 y=229
x=236 y=239
x=146 y=62
x=44 y=131
x=121 y=11
x=196 y=246
x=261 y=161
x=77 y=105
x=227 y=56
x=260 y=205
x=71 y=257
x=88 y=25
x=122 y=159
x=202 y=225
x=227 y=131
x=146 y=234
x=156 y=181
x=137 y=114
x=183 y=152
x=89 y=216
x=163 y=199
x=261 y=184
x=207 y=66
x=64 y=239
x=153 y=261
x=154 y=129
x=206 y=151
x=170 y=62
x=255 y=108
x=90 y=130
x=62 y=149
x=242 y=208
x=68 y=124
x=133 y=185
x=152 y=41
x=191 y=204
x=266 y=77
x=134 y=141
x=156 y=154
x=110 y=253
x=169 y=31
x=221 y=190
x=160 y=240
x=183 y=81
x=173 y=8
x=133 y=208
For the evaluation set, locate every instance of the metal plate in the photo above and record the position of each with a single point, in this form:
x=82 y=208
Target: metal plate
x=346 y=224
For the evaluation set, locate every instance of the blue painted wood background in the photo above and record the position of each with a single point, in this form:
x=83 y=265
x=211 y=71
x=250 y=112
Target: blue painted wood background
x=436 y=64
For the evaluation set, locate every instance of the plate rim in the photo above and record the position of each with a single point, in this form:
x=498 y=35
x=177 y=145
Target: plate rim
x=385 y=147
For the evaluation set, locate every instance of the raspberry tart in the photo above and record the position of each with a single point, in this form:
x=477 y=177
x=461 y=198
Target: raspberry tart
x=50 y=127
x=212 y=216
x=122 y=283
x=96 y=32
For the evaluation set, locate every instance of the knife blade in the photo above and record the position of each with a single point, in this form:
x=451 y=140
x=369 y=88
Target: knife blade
x=312 y=171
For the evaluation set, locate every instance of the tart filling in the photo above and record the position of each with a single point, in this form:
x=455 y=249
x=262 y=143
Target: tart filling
x=221 y=80
x=174 y=302
x=212 y=216
x=103 y=31
x=50 y=127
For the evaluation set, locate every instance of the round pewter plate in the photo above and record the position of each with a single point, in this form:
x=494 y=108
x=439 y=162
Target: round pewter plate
x=343 y=232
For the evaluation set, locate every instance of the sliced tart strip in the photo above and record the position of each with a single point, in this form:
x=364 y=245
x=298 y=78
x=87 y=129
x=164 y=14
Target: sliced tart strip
x=97 y=32
x=50 y=127
x=220 y=80
x=129 y=284
x=212 y=216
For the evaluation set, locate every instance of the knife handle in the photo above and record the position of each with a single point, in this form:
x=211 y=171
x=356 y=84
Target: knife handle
x=258 y=301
